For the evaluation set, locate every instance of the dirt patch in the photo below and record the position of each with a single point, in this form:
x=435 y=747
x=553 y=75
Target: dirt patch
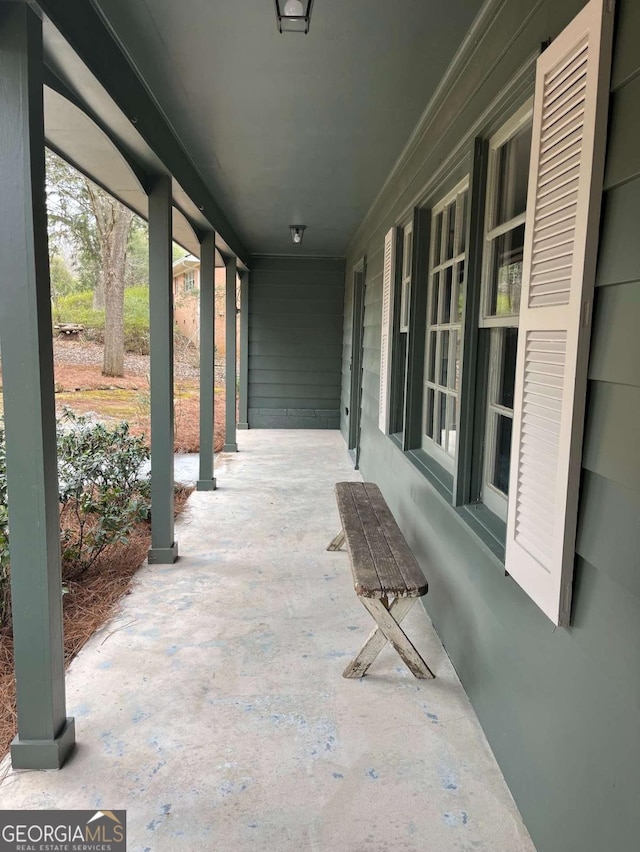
x=81 y=386
x=90 y=600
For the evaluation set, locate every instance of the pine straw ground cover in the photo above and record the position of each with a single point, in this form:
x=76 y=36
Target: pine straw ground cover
x=90 y=600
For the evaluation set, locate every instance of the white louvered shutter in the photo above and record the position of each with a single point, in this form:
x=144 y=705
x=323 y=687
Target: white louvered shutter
x=561 y=235
x=388 y=276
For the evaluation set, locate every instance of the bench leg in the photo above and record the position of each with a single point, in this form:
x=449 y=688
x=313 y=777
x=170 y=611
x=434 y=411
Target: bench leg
x=376 y=640
x=390 y=628
x=337 y=542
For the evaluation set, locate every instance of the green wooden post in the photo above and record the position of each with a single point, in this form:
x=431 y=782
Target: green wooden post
x=45 y=735
x=206 y=480
x=243 y=391
x=163 y=547
x=230 y=445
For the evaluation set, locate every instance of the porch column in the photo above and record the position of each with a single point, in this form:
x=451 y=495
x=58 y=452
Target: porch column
x=206 y=480
x=230 y=445
x=243 y=393
x=45 y=735
x=163 y=547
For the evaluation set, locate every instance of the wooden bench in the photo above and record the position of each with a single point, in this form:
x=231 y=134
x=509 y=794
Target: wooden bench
x=70 y=329
x=387 y=578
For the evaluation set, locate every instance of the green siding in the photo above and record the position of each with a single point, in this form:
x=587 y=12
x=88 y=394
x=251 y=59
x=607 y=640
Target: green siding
x=559 y=706
x=296 y=309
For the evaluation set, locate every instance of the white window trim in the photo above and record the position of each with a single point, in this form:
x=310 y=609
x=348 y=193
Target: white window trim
x=429 y=445
x=517 y=121
x=494 y=499
x=405 y=280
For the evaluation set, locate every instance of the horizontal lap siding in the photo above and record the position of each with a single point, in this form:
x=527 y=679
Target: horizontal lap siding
x=296 y=310
x=559 y=707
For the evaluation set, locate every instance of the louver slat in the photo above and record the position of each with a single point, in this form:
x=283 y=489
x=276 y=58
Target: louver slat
x=530 y=492
x=387 y=326
x=556 y=191
x=561 y=233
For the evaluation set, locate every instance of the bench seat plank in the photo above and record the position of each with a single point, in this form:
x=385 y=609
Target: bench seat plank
x=382 y=563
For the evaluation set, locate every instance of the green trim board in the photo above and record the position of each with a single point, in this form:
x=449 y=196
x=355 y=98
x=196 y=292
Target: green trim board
x=82 y=26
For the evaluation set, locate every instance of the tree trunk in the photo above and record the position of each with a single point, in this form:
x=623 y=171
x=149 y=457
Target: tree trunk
x=114 y=257
x=98 y=293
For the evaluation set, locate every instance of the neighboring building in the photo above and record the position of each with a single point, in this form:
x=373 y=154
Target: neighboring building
x=186 y=301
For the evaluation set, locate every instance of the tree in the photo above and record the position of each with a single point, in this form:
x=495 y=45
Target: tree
x=63 y=281
x=98 y=227
x=112 y=222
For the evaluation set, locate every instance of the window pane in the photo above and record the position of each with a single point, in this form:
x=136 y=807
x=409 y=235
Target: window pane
x=459 y=297
x=431 y=374
x=503 y=453
x=512 y=176
x=442 y=419
x=437 y=245
x=463 y=223
x=507 y=372
x=444 y=357
x=406 y=260
x=451 y=229
x=446 y=295
x=430 y=409
x=434 y=299
x=454 y=372
x=506 y=277
x=451 y=426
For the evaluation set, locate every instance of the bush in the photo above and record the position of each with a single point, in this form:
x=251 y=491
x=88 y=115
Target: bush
x=78 y=308
x=102 y=494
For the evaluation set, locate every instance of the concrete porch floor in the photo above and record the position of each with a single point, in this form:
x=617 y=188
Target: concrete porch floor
x=213 y=708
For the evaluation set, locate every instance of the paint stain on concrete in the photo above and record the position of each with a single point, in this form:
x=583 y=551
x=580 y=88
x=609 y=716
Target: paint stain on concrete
x=140 y=716
x=334 y=655
x=454 y=820
x=373 y=774
x=448 y=779
x=165 y=811
x=337 y=774
x=104 y=665
x=433 y=717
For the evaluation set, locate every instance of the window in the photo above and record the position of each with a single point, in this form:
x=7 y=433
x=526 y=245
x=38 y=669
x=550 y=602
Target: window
x=444 y=316
x=506 y=204
x=189 y=280
x=511 y=462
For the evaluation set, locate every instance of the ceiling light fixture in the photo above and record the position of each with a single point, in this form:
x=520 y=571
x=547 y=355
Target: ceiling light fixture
x=297 y=232
x=293 y=15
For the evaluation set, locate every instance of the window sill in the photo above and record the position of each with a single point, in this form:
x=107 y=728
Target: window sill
x=440 y=478
x=487 y=526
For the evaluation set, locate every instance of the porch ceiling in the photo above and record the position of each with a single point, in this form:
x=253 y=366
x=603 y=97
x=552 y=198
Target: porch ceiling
x=290 y=128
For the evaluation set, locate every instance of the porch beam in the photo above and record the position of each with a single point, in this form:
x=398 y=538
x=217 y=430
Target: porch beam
x=81 y=24
x=230 y=441
x=206 y=479
x=243 y=391
x=45 y=735
x=164 y=549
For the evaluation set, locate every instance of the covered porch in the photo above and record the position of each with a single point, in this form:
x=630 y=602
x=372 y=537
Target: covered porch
x=213 y=709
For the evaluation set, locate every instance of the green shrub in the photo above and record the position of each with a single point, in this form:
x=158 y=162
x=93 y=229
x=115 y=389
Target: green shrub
x=102 y=494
